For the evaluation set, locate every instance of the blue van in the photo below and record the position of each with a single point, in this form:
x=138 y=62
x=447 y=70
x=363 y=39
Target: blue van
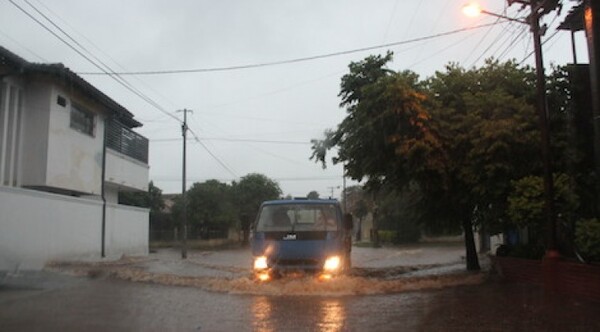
x=301 y=235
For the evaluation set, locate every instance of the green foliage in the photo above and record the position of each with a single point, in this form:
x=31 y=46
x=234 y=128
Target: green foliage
x=526 y=201
x=587 y=238
x=398 y=212
x=251 y=191
x=210 y=207
x=528 y=251
x=462 y=136
x=386 y=236
x=312 y=195
x=214 y=206
x=151 y=199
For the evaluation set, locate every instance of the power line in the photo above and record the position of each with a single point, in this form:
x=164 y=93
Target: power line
x=519 y=37
x=484 y=37
x=543 y=42
x=225 y=167
x=442 y=50
x=267 y=152
x=434 y=26
x=412 y=18
x=296 y=60
x=494 y=42
x=387 y=29
x=103 y=53
x=112 y=74
x=160 y=140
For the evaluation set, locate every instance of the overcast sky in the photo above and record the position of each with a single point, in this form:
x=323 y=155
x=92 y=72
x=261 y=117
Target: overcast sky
x=258 y=120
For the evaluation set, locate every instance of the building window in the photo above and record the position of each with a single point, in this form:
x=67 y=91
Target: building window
x=82 y=120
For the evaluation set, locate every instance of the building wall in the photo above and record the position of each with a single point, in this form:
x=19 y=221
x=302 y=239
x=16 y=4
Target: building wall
x=53 y=153
x=127 y=230
x=11 y=112
x=34 y=148
x=126 y=172
x=74 y=158
x=38 y=227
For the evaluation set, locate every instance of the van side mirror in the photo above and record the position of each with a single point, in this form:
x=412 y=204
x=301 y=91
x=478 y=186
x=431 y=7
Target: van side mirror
x=348 y=223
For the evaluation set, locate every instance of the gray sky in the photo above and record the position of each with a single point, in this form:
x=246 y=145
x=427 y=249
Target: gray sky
x=236 y=111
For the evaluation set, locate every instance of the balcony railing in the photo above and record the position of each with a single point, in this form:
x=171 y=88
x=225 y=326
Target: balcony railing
x=126 y=141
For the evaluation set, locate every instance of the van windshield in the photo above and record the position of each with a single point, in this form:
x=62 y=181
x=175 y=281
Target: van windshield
x=298 y=217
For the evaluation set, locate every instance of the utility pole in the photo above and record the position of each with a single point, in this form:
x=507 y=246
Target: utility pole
x=592 y=32
x=184 y=129
x=331 y=188
x=542 y=107
x=540 y=8
x=345 y=196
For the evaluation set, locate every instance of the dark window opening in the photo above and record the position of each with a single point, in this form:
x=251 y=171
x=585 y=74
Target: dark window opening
x=82 y=120
x=61 y=101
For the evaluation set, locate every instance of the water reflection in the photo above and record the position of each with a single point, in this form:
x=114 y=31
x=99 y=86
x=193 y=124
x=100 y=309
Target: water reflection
x=262 y=312
x=280 y=313
x=333 y=315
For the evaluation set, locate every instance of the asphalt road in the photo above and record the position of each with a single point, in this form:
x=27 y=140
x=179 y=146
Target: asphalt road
x=415 y=290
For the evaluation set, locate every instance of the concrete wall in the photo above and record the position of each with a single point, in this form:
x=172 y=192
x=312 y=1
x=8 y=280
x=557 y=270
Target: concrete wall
x=38 y=227
x=74 y=158
x=34 y=151
x=127 y=230
x=53 y=153
x=126 y=172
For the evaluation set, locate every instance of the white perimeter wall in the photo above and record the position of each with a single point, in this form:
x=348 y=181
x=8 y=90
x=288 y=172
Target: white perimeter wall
x=127 y=230
x=38 y=227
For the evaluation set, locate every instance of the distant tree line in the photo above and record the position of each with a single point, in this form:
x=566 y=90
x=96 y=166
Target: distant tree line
x=213 y=207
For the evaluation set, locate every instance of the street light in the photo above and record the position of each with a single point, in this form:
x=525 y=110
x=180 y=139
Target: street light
x=537 y=10
x=472 y=10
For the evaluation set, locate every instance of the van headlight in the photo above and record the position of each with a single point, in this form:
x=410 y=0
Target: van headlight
x=260 y=263
x=332 y=264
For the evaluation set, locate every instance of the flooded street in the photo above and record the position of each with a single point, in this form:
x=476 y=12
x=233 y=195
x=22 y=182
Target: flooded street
x=395 y=289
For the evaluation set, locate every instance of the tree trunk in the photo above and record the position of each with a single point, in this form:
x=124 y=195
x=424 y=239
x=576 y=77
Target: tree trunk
x=472 y=259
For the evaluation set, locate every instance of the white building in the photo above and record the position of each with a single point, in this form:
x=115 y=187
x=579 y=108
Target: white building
x=66 y=150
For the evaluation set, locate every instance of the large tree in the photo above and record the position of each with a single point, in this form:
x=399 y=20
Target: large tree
x=459 y=137
x=209 y=207
x=250 y=192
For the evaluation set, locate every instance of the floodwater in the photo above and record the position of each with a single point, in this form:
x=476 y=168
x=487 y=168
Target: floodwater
x=375 y=271
x=400 y=289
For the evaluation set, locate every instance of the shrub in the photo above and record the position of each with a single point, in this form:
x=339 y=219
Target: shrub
x=386 y=236
x=587 y=238
x=527 y=251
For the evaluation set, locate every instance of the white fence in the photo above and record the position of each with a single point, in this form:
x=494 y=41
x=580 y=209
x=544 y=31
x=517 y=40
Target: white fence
x=38 y=227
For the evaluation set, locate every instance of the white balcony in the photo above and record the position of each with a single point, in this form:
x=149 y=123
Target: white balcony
x=126 y=172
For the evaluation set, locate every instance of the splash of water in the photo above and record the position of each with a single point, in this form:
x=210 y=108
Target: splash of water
x=359 y=282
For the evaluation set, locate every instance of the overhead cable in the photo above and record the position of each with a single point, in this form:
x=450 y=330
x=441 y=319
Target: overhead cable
x=223 y=165
x=233 y=140
x=296 y=60
x=112 y=74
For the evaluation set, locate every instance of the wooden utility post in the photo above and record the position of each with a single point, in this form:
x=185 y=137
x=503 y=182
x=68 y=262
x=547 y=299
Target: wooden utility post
x=184 y=130
x=592 y=32
x=539 y=8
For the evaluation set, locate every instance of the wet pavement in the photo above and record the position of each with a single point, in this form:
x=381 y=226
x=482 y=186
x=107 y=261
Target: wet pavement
x=391 y=289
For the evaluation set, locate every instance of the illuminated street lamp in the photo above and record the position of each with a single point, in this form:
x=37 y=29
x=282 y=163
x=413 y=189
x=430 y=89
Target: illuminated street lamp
x=538 y=9
x=474 y=10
